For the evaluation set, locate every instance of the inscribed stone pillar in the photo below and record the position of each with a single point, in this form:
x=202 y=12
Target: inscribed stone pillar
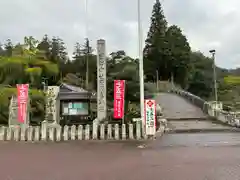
x=101 y=80
x=52 y=104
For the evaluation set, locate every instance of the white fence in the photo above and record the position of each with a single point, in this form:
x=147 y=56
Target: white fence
x=230 y=118
x=58 y=133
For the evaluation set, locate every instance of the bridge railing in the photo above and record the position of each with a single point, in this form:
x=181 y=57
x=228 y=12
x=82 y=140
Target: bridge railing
x=212 y=109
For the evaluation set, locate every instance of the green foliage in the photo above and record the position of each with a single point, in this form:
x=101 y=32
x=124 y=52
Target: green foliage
x=232 y=80
x=156 y=48
x=167 y=50
x=201 y=75
x=178 y=57
x=121 y=68
x=37 y=101
x=26 y=65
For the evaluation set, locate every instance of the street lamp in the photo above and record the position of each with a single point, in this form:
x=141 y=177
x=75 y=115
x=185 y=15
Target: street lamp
x=213 y=52
x=140 y=54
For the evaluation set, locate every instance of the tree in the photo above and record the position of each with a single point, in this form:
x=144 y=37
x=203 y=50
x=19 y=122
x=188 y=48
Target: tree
x=201 y=75
x=120 y=66
x=26 y=65
x=58 y=53
x=178 y=59
x=44 y=46
x=156 y=47
x=81 y=55
x=2 y=52
x=8 y=47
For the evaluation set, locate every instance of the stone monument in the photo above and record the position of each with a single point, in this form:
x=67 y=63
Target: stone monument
x=101 y=80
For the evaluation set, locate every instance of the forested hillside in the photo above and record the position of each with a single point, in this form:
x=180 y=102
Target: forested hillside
x=167 y=53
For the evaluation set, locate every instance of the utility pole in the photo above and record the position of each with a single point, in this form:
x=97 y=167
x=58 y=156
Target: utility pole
x=87 y=45
x=213 y=52
x=140 y=53
x=87 y=59
x=157 y=79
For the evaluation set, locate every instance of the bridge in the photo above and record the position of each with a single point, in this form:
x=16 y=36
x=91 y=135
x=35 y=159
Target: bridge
x=193 y=121
x=184 y=116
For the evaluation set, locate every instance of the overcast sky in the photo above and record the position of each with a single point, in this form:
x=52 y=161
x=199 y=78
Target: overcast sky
x=206 y=23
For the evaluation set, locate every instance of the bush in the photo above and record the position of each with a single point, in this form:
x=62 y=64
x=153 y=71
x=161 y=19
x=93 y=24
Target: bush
x=36 y=101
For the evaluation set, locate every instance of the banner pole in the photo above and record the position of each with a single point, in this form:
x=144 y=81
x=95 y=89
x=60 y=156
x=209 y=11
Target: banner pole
x=123 y=103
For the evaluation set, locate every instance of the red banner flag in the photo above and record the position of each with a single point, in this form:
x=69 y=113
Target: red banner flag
x=119 y=93
x=22 y=99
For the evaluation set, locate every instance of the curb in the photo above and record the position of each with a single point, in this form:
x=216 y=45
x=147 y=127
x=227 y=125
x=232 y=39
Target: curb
x=188 y=119
x=226 y=130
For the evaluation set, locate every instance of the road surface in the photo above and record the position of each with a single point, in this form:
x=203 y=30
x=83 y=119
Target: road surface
x=177 y=107
x=172 y=157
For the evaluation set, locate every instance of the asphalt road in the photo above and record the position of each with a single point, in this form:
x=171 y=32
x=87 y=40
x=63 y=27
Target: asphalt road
x=172 y=157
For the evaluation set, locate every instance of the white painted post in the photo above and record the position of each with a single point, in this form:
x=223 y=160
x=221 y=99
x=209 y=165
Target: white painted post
x=109 y=132
x=73 y=132
x=2 y=133
x=102 y=131
x=65 y=133
x=124 y=134
x=44 y=131
x=9 y=134
x=143 y=130
x=130 y=127
x=36 y=133
x=30 y=133
x=116 y=132
x=226 y=118
x=23 y=133
x=138 y=131
x=80 y=132
x=16 y=133
x=87 y=132
x=51 y=133
x=237 y=122
x=58 y=133
x=95 y=131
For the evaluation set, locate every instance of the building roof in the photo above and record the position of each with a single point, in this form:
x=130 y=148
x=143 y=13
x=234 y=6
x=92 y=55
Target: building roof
x=73 y=88
x=70 y=92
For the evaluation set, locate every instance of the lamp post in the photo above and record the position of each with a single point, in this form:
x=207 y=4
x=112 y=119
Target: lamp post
x=213 y=52
x=140 y=54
